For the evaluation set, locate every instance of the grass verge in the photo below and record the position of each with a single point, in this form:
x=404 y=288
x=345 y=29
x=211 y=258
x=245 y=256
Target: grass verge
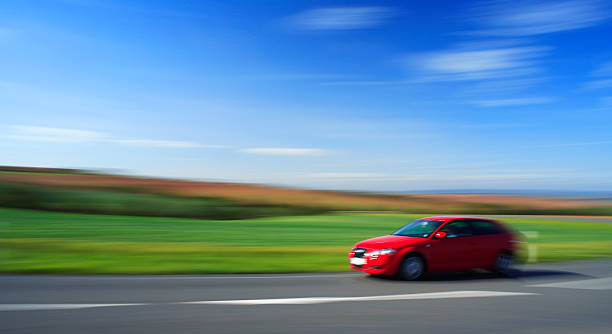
x=48 y=242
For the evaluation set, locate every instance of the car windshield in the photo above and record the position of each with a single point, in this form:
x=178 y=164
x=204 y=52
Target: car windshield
x=419 y=228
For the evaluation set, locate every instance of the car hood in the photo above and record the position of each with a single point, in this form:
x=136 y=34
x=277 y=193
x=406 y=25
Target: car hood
x=390 y=241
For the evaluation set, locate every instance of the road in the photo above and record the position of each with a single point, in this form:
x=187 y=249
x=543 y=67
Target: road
x=552 y=298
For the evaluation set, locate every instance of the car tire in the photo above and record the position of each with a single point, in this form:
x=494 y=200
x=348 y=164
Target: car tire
x=504 y=263
x=412 y=268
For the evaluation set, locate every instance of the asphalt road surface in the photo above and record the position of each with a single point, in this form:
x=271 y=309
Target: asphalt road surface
x=553 y=298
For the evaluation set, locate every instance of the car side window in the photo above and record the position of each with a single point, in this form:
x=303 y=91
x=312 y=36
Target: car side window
x=483 y=227
x=457 y=229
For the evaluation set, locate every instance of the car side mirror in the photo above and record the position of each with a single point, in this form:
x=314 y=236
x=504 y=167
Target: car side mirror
x=440 y=235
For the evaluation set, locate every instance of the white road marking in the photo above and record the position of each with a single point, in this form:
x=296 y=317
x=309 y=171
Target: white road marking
x=319 y=300
x=590 y=284
x=37 y=307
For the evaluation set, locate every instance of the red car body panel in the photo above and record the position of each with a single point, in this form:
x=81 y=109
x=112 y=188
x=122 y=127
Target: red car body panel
x=446 y=254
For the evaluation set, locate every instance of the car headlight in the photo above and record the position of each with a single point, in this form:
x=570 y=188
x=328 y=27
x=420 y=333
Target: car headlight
x=384 y=251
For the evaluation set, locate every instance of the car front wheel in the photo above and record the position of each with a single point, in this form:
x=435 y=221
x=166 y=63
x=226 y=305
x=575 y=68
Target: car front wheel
x=412 y=268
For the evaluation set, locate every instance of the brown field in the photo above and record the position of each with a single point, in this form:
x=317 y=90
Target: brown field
x=252 y=193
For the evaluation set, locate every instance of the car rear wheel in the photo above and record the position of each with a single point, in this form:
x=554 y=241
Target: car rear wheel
x=412 y=268
x=504 y=263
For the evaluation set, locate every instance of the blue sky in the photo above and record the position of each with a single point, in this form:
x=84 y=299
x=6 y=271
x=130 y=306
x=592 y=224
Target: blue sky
x=366 y=95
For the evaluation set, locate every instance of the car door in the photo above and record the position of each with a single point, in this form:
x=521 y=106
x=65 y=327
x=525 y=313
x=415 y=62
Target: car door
x=488 y=240
x=455 y=252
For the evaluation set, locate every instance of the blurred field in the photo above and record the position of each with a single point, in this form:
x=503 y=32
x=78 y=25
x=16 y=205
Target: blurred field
x=138 y=204
x=47 y=242
x=74 y=221
x=77 y=191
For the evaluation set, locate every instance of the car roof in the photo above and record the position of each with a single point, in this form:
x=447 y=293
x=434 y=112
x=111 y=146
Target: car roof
x=447 y=218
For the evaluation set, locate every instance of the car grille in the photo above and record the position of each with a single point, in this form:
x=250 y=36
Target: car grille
x=359 y=252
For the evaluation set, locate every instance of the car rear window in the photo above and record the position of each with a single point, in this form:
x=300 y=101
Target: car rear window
x=483 y=227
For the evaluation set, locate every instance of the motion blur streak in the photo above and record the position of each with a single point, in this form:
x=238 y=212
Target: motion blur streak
x=267 y=138
x=38 y=307
x=319 y=300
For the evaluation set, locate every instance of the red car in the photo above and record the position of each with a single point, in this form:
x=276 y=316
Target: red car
x=435 y=244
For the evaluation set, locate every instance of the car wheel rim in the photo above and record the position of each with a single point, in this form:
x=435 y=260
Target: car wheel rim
x=504 y=262
x=413 y=268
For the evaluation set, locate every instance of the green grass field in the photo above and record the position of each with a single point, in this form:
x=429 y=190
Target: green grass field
x=48 y=242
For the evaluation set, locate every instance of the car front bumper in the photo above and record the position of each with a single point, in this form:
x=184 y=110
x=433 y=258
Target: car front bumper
x=375 y=265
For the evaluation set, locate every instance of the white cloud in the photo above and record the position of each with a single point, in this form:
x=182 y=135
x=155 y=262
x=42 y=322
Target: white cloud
x=604 y=70
x=479 y=64
x=523 y=18
x=49 y=134
x=484 y=125
x=285 y=151
x=293 y=76
x=598 y=84
x=347 y=175
x=63 y=135
x=606 y=102
x=340 y=18
x=604 y=142
x=605 y=73
x=370 y=82
x=503 y=86
x=163 y=143
x=512 y=102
